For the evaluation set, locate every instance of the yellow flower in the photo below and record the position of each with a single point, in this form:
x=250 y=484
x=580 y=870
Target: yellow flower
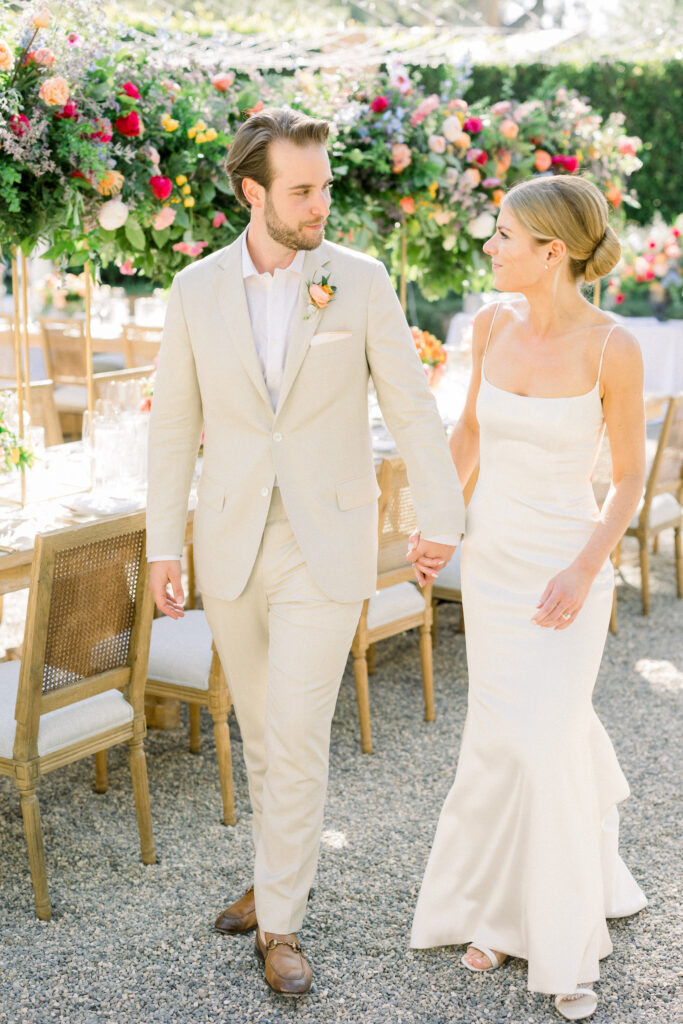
x=191 y=132
x=200 y=126
x=188 y=202
x=14 y=456
x=171 y=124
x=110 y=184
x=433 y=189
x=186 y=190
x=175 y=199
x=201 y=137
x=181 y=180
x=211 y=135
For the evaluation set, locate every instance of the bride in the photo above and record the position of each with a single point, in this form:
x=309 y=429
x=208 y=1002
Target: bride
x=525 y=860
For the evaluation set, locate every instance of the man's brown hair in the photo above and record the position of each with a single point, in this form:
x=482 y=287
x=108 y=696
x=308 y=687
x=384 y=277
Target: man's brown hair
x=248 y=155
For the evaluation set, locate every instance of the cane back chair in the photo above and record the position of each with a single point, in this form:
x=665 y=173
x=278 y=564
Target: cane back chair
x=398 y=605
x=79 y=688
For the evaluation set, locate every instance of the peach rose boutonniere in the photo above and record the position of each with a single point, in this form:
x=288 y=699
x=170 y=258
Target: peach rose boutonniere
x=319 y=295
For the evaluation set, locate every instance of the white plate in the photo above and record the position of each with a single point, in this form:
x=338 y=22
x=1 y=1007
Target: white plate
x=101 y=505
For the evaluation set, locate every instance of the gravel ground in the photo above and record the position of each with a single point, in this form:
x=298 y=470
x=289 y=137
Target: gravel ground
x=132 y=944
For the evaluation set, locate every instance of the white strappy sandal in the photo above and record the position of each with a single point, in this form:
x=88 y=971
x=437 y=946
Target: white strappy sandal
x=496 y=961
x=578 y=1005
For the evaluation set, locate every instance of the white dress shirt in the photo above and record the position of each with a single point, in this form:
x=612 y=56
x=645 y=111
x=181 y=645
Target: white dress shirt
x=272 y=299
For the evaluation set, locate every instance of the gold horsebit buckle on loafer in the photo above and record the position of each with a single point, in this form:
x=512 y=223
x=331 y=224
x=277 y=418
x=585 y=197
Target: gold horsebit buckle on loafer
x=272 y=943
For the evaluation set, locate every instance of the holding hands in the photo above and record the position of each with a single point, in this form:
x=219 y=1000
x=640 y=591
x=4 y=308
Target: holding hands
x=427 y=557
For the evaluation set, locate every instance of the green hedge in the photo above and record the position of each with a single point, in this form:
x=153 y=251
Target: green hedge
x=649 y=94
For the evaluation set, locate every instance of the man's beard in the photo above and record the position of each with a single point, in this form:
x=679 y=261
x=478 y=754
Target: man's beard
x=285 y=235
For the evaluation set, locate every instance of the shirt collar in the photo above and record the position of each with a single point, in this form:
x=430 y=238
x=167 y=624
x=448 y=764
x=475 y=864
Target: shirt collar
x=249 y=270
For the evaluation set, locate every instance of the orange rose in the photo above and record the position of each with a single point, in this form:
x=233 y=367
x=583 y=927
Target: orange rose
x=257 y=108
x=407 y=204
x=542 y=160
x=502 y=162
x=42 y=18
x=110 y=184
x=472 y=176
x=400 y=154
x=54 y=92
x=509 y=128
x=6 y=58
x=613 y=193
x=497 y=196
x=462 y=141
x=319 y=296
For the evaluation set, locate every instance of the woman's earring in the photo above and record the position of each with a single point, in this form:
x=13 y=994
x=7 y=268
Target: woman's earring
x=546 y=266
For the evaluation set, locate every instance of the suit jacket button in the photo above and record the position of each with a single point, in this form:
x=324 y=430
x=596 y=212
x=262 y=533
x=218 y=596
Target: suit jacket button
x=264 y=492
x=277 y=437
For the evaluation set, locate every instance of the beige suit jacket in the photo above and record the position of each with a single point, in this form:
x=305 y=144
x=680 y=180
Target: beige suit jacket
x=317 y=442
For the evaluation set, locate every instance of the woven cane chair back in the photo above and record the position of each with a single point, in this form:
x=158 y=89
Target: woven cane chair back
x=40 y=404
x=88 y=619
x=64 y=347
x=397 y=517
x=141 y=344
x=669 y=458
x=7 y=364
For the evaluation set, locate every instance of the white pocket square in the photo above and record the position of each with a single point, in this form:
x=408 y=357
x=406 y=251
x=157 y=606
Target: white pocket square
x=326 y=336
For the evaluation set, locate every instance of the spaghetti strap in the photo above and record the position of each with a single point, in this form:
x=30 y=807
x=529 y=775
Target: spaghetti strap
x=486 y=348
x=602 y=354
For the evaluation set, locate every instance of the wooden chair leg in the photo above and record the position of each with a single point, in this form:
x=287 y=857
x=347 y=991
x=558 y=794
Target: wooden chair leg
x=616 y=555
x=370 y=658
x=427 y=670
x=30 y=810
x=138 y=771
x=101 y=777
x=190 y=598
x=655 y=544
x=221 y=734
x=613 y=621
x=645 y=575
x=195 y=728
x=435 y=622
x=461 y=620
x=360 y=671
x=678 y=556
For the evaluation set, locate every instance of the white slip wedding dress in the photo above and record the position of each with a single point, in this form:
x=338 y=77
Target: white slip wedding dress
x=525 y=858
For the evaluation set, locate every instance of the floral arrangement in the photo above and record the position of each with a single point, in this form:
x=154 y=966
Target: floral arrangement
x=115 y=157
x=64 y=292
x=431 y=352
x=649 y=276
x=15 y=452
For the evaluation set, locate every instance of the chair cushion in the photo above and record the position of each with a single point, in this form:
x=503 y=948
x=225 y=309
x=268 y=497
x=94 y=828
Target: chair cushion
x=449 y=576
x=394 y=603
x=664 y=510
x=71 y=397
x=180 y=650
x=107 y=362
x=64 y=726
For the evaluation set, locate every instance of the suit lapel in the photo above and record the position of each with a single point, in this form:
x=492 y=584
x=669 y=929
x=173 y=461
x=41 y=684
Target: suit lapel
x=232 y=302
x=303 y=326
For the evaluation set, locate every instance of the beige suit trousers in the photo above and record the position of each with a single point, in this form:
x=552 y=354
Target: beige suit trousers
x=283 y=644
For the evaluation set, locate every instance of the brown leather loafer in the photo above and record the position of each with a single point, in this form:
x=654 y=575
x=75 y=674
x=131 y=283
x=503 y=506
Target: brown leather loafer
x=239 y=917
x=288 y=972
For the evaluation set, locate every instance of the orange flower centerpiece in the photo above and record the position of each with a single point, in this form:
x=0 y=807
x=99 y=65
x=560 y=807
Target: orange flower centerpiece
x=432 y=353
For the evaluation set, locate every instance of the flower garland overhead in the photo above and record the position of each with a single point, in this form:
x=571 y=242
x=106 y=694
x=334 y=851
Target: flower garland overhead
x=110 y=155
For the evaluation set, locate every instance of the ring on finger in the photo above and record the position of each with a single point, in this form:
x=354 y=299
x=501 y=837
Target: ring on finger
x=566 y=615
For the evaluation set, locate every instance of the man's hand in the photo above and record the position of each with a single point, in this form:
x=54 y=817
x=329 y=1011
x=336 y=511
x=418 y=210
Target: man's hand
x=161 y=575
x=427 y=558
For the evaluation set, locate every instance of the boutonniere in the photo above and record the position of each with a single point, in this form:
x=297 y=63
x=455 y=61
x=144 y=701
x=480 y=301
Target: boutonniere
x=319 y=295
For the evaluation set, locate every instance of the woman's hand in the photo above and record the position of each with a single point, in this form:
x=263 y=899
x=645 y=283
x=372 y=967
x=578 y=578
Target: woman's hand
x=563 y=598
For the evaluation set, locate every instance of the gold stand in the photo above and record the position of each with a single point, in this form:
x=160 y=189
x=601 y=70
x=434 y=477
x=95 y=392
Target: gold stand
x=88 y=342
x=404 y=269
x=17 y=366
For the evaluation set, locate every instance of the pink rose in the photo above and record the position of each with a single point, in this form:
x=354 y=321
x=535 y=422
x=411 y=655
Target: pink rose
x=45 y=58
x=67 y=113
x=509 y=128
x=164 y=218
x=502 y=107
x=571 y=164
x=628 y=145
x=490 y=183
x=130 y=90
x=223 y=80
x=542 y=160
x=477 y=156
x=379 y=104
x=319 y=297
x=218 y=219
x=437 y=143
x=127 y=269
x=473 y=125
x=18 y=124
x=471 y=177
x=103 y=131
x=407 y=204
x=161 y=187
x=189 y=248
x=424 y=109
x=400 y=155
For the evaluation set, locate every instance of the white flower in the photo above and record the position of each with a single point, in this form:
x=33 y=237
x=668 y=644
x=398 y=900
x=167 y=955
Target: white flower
x=113 y=214
x=451 y=128
x=449 y=242
x=482 y=226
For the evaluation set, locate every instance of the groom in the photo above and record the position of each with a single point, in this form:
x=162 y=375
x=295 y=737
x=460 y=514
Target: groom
x=269 y=344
